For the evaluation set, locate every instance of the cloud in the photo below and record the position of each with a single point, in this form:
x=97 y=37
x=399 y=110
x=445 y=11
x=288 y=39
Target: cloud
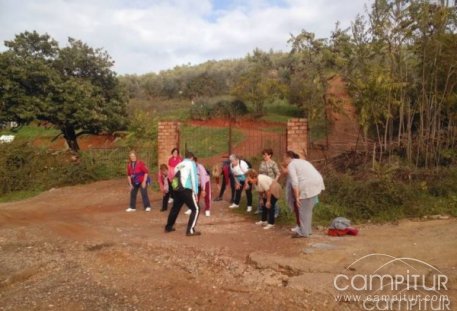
x=144 y=36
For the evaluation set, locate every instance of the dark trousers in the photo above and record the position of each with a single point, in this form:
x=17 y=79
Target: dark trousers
x=248 y=194
x=165 y=199
x=184 y=197
x=170 y=190
x=144 y=196
x=232 y=188
x=269 y=213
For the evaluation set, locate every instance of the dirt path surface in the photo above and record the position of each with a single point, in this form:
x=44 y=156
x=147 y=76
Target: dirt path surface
x=75 y=248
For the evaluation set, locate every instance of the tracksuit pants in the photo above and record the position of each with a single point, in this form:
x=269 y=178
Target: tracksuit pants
x=180 y=198
x=304 y=215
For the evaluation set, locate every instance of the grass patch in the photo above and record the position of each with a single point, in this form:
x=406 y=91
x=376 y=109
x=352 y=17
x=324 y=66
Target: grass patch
x=276 y=129
x=163 y=108
x=207 y=141
x=281 y=111
x=19 y=195
x=273 y=117
x=32 y=131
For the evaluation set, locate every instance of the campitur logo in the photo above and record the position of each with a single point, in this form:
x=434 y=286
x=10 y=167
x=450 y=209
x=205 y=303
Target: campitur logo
x=384 y=282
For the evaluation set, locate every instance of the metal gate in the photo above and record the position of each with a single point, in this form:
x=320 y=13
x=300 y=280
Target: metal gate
x=211 y=143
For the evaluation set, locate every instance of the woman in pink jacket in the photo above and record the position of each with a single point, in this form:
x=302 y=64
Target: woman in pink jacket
x=164 y=184
x=205 y=187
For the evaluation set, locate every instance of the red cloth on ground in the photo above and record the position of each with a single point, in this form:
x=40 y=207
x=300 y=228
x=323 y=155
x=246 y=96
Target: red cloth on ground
x=347 y=231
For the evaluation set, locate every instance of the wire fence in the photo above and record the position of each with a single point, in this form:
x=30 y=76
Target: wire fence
x=116 y=160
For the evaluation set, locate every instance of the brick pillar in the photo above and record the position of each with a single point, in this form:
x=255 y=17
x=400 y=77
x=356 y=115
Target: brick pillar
x=168 y=138
x=297 y=136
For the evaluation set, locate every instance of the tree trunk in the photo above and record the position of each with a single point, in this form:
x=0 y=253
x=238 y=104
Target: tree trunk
x=69 y=134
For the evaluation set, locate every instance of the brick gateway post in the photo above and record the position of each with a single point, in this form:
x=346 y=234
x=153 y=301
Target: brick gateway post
x=168 y=138
x=297 y=136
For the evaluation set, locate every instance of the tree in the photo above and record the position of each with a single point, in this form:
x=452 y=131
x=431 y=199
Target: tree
x=312 y=65
x=260 y=82
x=402 y=74
x=73 y=88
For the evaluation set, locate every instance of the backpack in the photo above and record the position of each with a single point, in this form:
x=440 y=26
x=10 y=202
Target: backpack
x=340 y=223
x=341 y=226
x=176 y=184
x=136 y=177
x=248 y=163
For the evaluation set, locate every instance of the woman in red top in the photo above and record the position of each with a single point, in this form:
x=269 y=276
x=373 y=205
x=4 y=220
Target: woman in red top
x=173 y=160
x=137 y=176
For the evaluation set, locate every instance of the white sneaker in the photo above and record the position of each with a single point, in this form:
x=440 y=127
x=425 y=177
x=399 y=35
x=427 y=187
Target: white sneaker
x=147 y=209
x=188 y=212
x=249 y=209
x=207 y=213
x=295 y=229
x=130 y=210
x=268 y=226
x=170 y=200
x=234 y=206
x=261 y=223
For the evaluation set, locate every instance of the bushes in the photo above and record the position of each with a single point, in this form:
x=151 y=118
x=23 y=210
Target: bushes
x=200 y=110
x=217 y=107
x=363 y=200
x=18 y=167
x=388 y=198
x=26 y=168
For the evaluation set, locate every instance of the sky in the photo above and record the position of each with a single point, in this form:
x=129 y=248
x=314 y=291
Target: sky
x=144 y=36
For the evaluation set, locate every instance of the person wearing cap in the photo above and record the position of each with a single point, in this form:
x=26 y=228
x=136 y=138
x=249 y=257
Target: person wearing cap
x=187 y=194
x=239 y=168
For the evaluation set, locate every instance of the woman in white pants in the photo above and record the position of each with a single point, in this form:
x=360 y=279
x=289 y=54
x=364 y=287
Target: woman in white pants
x=307 y=183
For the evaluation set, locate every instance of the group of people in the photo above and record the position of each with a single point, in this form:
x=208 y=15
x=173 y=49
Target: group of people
x=186 y=181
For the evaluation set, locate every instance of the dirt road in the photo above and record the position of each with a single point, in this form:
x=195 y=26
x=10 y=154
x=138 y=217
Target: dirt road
x=75 y=248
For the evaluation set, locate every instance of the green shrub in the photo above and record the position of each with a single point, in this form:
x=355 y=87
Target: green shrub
x=217 y=107
x=200 y=110
x=443 y=182
x=372 y=199
x=25 y=169
x=380 y=195
x=19 y=167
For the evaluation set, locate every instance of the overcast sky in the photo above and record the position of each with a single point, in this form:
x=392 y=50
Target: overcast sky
x=151 y=35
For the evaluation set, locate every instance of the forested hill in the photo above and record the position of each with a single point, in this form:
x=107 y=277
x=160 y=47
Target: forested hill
x=398 y=61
